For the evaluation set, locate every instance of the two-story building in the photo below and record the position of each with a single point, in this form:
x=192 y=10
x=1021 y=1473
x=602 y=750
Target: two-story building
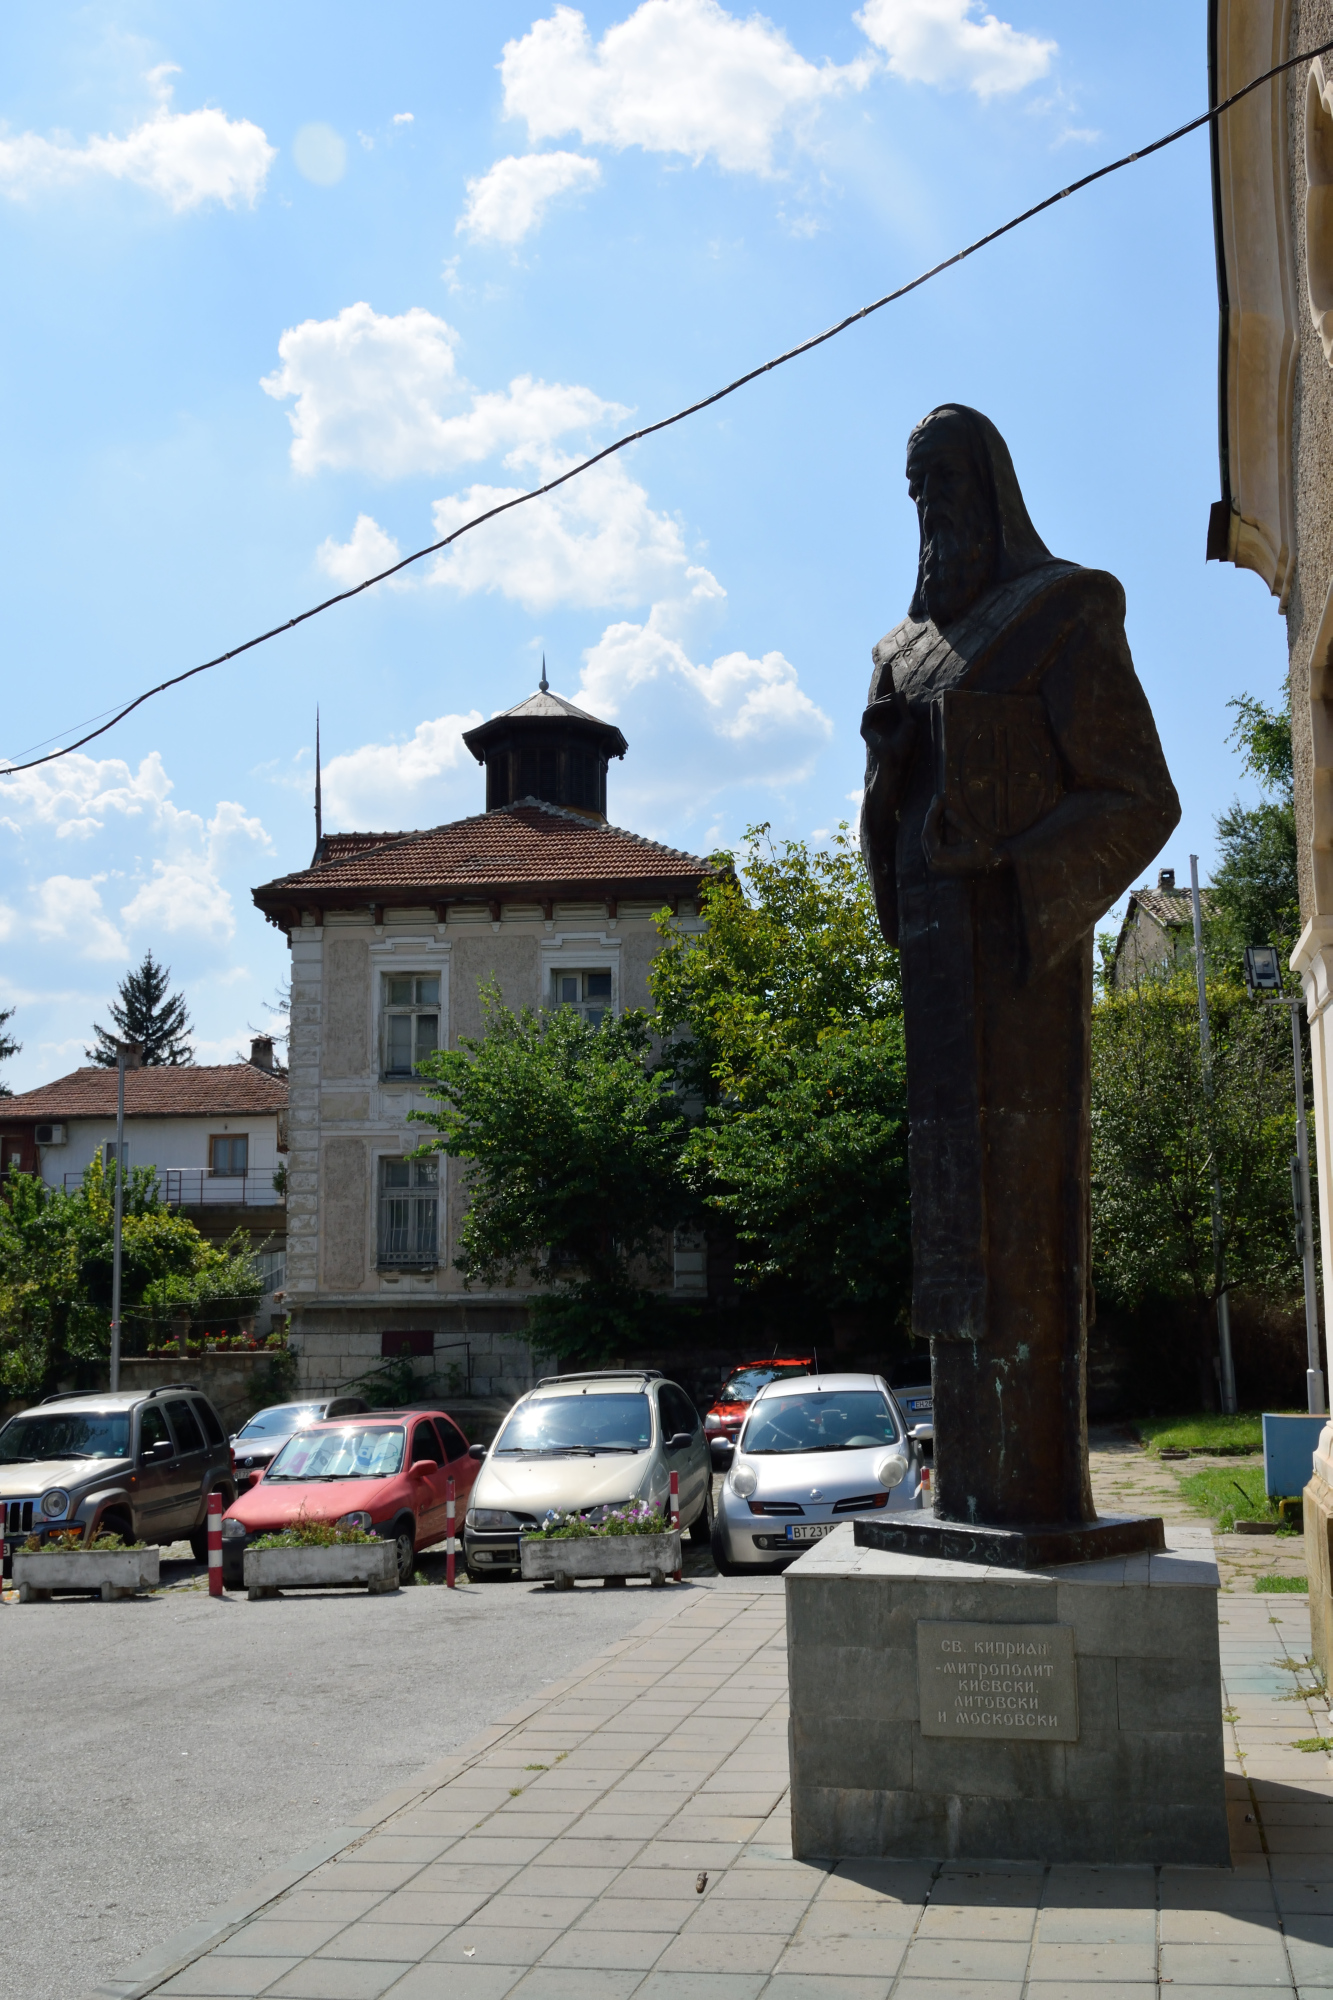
x=1156 y=934
x=393 y=938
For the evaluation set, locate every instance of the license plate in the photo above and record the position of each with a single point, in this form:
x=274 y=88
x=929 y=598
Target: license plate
x=809 y=1531
x=924 y=1404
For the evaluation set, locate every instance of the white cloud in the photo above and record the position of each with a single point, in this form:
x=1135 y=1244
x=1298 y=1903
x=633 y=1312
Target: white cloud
x=678 y=76
x=232 y=823
x=401 y=784
x=69 y=910
x=402 y=117
x=186 y=157
x=182 y=895
x=512 y=197
x=367 y=551
x=594 y=542
x=372 y=390
x=77 y=794
x=952 y=44
x=320 y=154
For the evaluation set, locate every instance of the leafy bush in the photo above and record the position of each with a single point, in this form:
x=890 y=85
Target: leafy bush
x=71 y=1542
x=636 y=1519
x=313 y=1535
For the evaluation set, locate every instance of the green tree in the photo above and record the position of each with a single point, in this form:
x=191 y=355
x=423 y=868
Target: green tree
x=8 y=1046
x=570 y=1140
x=147 y=1014
x=56 y=1263
x=783 y=1020
x=1158 y=1139
x=1255 y=896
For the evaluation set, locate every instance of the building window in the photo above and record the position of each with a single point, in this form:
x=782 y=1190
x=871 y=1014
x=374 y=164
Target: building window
x=411 y=1020
x=588 y=993
x=229 y=1154
x=109 y=1156
x=409 y=1214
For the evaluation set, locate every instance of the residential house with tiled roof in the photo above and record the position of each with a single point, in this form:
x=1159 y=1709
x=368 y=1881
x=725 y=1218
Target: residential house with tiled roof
x=393 y=938
x=1157 y=932
x=215 y=1133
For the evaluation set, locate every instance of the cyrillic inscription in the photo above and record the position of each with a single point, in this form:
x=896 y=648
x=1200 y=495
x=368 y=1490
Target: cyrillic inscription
x=1016 y=1682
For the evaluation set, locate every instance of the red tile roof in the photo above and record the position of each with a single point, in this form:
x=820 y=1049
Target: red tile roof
x=530 y=845
x=161 y=1091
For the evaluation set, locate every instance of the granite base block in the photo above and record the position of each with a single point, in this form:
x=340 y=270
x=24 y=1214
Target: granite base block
x=1143 y=1779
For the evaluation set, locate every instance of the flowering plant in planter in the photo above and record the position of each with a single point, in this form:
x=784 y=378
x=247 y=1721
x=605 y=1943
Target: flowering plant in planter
x=313 y=1535
x=639 y=1517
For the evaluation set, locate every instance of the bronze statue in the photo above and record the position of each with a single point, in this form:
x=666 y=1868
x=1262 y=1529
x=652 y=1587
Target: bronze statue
x=1015 y=788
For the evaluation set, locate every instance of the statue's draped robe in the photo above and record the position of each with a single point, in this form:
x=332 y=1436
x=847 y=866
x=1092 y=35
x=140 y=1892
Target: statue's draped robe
x=1030 y=722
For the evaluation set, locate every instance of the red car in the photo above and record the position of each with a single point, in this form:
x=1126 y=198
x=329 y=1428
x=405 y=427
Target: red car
x=385 y=1471
x=723 y=1422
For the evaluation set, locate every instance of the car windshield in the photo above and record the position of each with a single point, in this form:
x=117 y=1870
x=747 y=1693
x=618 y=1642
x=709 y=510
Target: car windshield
x=282 y=1420
x=595 y=1422
x=746 y=1383
x=361 y=1451
x=81 y=1434
x=827 y=1420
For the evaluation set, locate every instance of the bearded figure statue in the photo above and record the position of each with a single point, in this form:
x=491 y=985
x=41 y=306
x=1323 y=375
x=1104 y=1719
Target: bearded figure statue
x=1015 y=788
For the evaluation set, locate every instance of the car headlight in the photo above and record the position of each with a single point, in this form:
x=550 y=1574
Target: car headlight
x=742 y=1480
x=55 y=1503
x=232 y=1529
x=712 y=1422
x=358 y=1518
x=491 y=1517
x=891 y=1469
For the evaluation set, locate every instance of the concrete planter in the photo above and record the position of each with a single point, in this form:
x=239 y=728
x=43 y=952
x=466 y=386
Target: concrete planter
x=108 y=1572
x=371 y=1566
x=593 y=1556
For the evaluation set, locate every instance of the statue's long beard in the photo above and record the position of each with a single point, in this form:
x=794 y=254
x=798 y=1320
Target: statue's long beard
x=955 y=570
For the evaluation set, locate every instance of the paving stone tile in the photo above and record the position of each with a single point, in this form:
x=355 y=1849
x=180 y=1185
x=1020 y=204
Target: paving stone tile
x=574 y=1851
x=1250 y=1927
x=977 y=1920
x=326 y=1905
x=862 y=1957
x=429 y=1820
x=541 y=1880
x=722 y=1951
x=668 y=1852
x=892 y=1881
x=825 y=1986
x=216 y=1975
x=653 y=1884
x=702 y=1986
x=557 y=1912
x=858 y=1920
x=1311 y=1961
x=434 y=1981
x=487 y=1946
x=1094 y=1962
x=1083 y=1925
x=1225 y=1965
x=1070 y=1888
x=622 y=1914
x=960 y=1989
x=466 y=1877
x=418 y=1847
x=797 y=1881
x=270 y=1937
x=415 y=1906
x=558 y=1982
x=629 y=1949
x=365 y=1940
x=339 y=1979
x=492 y=1849
x=716 y=1917
x=956 y=1959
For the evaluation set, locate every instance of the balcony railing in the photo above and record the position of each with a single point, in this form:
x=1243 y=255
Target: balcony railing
x=195 y=1187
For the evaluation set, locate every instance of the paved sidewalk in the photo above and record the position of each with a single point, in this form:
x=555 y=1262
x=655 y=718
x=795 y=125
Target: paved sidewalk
x=628 y=1835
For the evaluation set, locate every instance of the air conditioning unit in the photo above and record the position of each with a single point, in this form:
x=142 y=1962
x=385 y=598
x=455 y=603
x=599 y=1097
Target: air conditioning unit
x=50 y=1135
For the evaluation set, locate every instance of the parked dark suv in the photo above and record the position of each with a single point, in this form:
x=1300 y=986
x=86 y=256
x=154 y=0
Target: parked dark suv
x=141 y=1466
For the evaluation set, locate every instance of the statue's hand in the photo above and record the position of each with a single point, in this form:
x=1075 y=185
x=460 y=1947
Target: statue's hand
x=952 y=849
x=889 y=729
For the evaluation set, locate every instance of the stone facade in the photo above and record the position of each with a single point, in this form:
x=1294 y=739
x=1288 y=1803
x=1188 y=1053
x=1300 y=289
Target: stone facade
x=1131 y=1772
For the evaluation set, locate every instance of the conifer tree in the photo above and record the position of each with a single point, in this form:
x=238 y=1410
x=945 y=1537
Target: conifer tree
x=147 y=1014
x=8 y=1046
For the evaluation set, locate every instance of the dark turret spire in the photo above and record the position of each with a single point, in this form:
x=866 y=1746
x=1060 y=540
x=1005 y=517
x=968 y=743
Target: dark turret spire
x=543 y=683
x=319 y=796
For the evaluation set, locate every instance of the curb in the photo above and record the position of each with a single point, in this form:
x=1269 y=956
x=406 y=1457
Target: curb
x=146 y=1974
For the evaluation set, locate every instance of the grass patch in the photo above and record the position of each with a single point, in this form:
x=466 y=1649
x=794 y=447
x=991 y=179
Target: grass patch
x=1230 y=1496
x=1324 y=1743
x=1241 y=1433
x=1276 y=1583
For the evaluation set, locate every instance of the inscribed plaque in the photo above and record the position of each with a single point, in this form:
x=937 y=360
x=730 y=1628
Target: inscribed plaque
x=1014 y=1682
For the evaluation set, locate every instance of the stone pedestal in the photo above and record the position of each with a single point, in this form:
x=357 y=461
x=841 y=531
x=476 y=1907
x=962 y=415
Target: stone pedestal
x=1318 y=1511
x=950 y=1709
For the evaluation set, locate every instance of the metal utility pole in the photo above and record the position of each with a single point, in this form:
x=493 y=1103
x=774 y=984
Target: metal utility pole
x=123 y=1049
x=1205 y=1048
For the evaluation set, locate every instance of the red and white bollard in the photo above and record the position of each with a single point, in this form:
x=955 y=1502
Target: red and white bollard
x=675 y=1514
x=450 y=1543
x=215 y=1545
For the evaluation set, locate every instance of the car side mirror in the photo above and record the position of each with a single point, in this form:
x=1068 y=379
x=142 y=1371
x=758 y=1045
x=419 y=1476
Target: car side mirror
x=922 y=1433
x=678 y=1440
x=156 y=1453
x=423 y=1465
x=477 y=1451
x=722 y=1454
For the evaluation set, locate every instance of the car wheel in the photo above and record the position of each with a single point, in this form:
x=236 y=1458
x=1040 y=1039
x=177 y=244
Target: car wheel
x=405 y=1543
x=233 y=1571
x=701 y=1528
x=722 y=1562
x=117 y=1524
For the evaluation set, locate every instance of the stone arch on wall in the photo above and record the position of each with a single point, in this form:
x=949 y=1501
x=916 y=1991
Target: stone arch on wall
x=1321 y=762
x=1319 y=202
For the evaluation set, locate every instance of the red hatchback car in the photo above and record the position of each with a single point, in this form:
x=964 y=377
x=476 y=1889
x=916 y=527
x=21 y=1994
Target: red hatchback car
x=385 y=1471
x=723 y=1422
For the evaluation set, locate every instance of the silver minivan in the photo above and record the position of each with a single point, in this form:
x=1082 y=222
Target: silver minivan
x=586 y=1444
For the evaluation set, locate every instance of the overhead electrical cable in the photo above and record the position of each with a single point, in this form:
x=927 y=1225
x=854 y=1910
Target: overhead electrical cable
x=691 y=409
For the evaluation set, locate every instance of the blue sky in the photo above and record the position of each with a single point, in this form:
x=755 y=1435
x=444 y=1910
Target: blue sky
x=289 y=288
